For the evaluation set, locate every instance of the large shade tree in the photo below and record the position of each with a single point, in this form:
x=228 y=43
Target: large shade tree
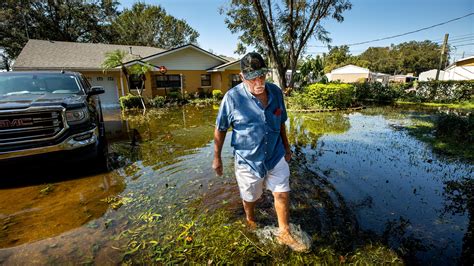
x=150 y=25
x=281 y=29
x=416 y=57
x=60 y=20
x=336 y=57
x=408 y=57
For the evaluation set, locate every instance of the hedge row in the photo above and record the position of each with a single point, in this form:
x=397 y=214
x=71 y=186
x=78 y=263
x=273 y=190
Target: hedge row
x=443 y=91
x=426 y=91
x=133 y=101
x=316 y=96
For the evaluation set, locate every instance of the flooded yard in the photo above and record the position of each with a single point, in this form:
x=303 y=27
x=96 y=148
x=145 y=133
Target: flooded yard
x=364 y=187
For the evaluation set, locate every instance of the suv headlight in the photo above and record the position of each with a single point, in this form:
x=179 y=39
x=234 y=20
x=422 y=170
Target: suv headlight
x=77 y=116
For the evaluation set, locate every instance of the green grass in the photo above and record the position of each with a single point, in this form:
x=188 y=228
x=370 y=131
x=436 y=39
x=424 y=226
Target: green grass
x=448 y=146
x=462 y=105
x=219 y=237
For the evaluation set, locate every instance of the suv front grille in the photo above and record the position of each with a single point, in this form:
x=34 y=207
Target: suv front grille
x=27 y=127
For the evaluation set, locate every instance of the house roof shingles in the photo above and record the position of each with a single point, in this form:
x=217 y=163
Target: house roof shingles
x=40 y=54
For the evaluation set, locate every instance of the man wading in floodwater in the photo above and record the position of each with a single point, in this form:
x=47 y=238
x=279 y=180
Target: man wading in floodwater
x=256 y=112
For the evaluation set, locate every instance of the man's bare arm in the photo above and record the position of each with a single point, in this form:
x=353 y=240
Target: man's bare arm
x=219 y=137
x=286 y=144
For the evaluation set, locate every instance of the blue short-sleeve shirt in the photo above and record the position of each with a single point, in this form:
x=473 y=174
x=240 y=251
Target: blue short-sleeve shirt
x=256 y=135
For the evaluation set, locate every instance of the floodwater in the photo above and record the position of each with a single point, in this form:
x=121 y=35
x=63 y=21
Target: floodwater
x=357 y=177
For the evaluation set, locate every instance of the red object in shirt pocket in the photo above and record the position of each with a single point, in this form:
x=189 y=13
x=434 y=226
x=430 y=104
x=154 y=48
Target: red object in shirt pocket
x=277 y=112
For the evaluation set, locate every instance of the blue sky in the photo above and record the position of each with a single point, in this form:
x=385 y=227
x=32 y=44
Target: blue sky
x=367 y=20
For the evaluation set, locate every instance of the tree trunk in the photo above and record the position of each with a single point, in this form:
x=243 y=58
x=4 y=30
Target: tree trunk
x=282 y=77
x=140 y=92
x=293 y=62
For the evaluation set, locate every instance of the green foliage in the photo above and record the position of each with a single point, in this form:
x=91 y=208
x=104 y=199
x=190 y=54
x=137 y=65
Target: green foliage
x=310 y=71
x=217 y=94
x=409 y=57
x=139 y=69
x=281 y=29
x=427 y=91
x=449 y=91
x=378 y=92
x=157 y=102
x=455 y=127
x=330 y=95
x=73 y=21
x=450 y=133
x=338 y=56
x=173 y=95
x=114 y=59
x=416 y=57
x=130 y=101
x=150 y=25
x=299 y=101
x=217 y=237
x=380 y=59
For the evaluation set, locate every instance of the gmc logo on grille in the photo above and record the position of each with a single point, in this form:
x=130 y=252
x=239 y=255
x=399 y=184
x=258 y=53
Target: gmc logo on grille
x=7 y=123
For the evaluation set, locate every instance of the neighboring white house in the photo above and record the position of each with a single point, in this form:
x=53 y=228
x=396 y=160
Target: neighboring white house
x=463 y=69
x=431 y=75
x=352 y=73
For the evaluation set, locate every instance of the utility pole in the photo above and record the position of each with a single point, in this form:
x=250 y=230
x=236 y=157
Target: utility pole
x=443 y=51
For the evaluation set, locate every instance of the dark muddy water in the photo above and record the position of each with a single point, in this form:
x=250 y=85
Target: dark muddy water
x=356 y=178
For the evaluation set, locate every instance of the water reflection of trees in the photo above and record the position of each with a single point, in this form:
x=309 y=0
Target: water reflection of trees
x=459 y=196
x=161 y=136
x=305 y=129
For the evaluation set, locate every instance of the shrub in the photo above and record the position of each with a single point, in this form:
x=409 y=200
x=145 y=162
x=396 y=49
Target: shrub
x=158 y=101
x=378 y=92
x=130 y=101
x=459 y=128
x=446 y=91
x=330 y=95
x=174 y=95
x=217 y=94
x=204 y=93
x=299 y=100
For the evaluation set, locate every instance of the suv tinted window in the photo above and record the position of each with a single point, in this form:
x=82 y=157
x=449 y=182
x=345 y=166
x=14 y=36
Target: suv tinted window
x=38 y=83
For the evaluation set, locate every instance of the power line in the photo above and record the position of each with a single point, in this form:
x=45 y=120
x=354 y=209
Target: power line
x=403 y=34
x=459 y=39
x=464 y=44
x=455 y=37
x=461 y=42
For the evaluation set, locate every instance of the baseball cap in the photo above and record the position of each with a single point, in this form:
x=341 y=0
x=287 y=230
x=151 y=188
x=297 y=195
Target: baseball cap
x=252 y=66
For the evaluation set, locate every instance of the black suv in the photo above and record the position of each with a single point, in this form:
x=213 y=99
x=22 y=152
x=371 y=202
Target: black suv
x=46 y=113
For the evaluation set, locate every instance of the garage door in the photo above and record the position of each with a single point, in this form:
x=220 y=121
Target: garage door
x=110 y=98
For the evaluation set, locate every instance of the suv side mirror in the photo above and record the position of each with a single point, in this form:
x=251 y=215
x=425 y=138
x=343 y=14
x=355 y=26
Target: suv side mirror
x=95 y=90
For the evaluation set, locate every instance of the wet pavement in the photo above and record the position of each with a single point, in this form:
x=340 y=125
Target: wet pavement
x=356 y=177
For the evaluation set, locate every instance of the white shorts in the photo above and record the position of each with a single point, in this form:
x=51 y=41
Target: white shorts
x=251 y=186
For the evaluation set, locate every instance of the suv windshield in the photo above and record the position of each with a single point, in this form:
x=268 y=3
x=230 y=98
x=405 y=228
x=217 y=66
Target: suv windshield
x=38 y=83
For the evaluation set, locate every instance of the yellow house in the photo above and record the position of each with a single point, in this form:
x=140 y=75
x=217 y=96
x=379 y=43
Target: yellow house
x=187 y=69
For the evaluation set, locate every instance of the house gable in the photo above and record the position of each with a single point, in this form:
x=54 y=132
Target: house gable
x=234 y=65
x=187 y=57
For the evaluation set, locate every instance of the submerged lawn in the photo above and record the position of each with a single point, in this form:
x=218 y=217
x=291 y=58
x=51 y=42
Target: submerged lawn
x=463 y=105
x=366 y=188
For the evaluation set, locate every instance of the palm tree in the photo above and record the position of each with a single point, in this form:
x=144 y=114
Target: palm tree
x=116 y=58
